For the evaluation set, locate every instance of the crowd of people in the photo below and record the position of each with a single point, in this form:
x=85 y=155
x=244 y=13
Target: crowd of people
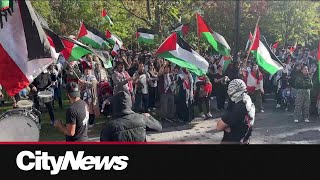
x=156 y=85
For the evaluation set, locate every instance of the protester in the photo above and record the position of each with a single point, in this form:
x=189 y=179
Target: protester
x=255 y=87
x=41 y=83
x=122 y=81
x=141 y=90
x=166 y=90
x=303 y=84
x=126 y=124
x=220 y=88
x=203 y=88
x=153 y=84
x=77 y=116
x=237 y=122
x=56 y=83
x=88 y=86
x=185 y=98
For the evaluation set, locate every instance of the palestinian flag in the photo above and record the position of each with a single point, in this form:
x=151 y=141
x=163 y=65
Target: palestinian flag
x=5 y=4
x=113 y=39
x=145 y=35
x=24 y=47
x=107 y=17
x=92 y=37
x=55 y=42
x=319 y=60
x=216 y=40
x=176 y=50
x=74 y=50
x=249 y=41
x=115 y=50
x=253 y=80
x=224 y=62
x=182 y=30
x=263 y=54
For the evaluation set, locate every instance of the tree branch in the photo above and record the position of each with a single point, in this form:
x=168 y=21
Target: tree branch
x=143 y=19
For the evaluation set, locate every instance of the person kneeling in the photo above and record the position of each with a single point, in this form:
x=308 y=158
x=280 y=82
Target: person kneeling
x=126 y=124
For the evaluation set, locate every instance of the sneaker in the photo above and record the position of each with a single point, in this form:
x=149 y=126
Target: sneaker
x=306 y=120
x=202 y=115
x=286 y=109
x=278 y=106
x=209 y=115
x=296 y=120
x=90 y=126
x=262 y=111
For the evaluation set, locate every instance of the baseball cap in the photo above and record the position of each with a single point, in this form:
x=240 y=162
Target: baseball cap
x=73 y=89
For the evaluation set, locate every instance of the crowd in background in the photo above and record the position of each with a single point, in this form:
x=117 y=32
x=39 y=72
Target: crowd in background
x=157 y=85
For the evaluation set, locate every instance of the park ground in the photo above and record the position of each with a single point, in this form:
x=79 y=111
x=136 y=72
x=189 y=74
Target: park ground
x=274 y=126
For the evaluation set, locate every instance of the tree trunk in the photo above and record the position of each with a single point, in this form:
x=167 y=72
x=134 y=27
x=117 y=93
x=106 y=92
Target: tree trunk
x=157 y=25
x=148 y=10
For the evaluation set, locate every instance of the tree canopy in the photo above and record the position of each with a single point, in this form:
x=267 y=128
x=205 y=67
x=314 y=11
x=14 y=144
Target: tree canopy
x=285 y=21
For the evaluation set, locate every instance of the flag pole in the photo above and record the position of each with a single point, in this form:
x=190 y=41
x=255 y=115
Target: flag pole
x=73 y=69
x=198 y=35
x=248 y=52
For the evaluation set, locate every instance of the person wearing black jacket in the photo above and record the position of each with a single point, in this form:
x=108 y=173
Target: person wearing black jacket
x=126 y=124
x=56 y=80
x=41 y=83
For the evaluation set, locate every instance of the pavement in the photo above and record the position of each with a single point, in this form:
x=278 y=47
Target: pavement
x=274 y=126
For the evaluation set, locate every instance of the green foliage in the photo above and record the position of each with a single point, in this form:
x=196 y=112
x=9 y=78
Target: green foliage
x=284 y=21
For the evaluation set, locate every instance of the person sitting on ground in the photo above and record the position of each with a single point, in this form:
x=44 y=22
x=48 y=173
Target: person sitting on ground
x=126 y=124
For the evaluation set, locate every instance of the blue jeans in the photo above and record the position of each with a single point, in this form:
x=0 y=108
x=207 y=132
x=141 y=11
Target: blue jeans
x=57 y=96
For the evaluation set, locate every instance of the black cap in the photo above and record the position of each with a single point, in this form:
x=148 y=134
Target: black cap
x=73 y=89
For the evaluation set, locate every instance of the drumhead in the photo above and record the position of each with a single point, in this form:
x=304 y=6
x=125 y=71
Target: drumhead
x=17 y=128
x=25 y=103
x=45 y=94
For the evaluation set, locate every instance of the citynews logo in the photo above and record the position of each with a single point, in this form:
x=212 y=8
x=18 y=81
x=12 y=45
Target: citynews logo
x=42 y=161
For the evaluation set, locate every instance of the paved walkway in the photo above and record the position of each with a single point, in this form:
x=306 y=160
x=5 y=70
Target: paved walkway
x=274 y=126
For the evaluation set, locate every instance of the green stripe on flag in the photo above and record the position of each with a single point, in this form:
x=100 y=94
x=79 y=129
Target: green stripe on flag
x=77 y=53
x=216 y=45
x=226 y=64
x=182 y=63
x=4 y=4
x=93 y=43
x=262 y=62
x=109 y=19
x=145 y=40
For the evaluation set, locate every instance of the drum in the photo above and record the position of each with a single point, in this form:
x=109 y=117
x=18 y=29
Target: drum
x=45 y=96
x=19 y=125
x=25 y=104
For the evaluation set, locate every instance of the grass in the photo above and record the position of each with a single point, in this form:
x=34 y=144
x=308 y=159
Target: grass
x=50 y=133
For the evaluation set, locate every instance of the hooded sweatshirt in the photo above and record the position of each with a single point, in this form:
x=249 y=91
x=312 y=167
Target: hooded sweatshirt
x=126 y=124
